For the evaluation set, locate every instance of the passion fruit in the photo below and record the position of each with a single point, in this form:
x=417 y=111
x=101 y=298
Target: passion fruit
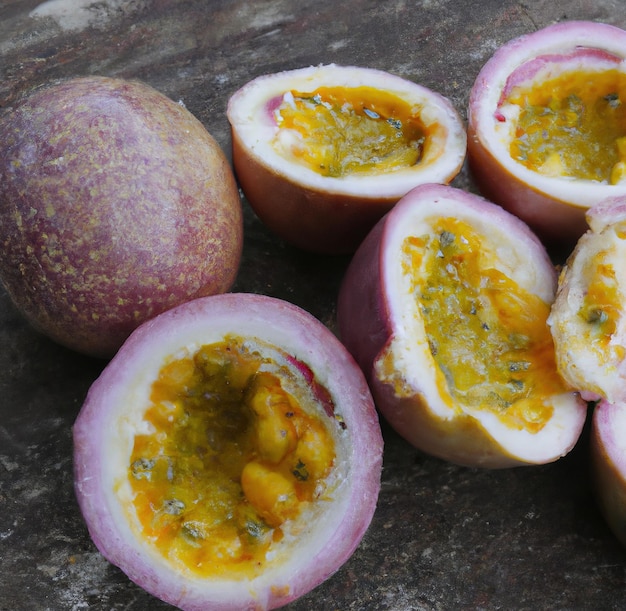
x=586 y=320
x=587 y=324
x=444 y=306
x=115 y=205
x=547 y=125
x=321 y=153
x=608 y=452
x=229 y=455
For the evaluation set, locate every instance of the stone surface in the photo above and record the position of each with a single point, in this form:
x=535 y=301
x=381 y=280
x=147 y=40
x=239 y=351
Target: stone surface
x=443 y=537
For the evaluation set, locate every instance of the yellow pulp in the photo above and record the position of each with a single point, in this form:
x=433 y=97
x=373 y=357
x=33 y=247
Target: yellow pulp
x=487 y=335
x=601 y=307
x=231 y=457
x=345 y=131
x=573 y=125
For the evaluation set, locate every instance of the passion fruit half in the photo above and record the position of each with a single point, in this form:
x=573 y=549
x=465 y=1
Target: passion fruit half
x=444 y=306
x=229 y=455
x=587 y=321
x=321 y=153
x=115 y=205
x=547 y=125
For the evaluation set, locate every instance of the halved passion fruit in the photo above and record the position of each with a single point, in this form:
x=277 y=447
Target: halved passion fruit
x=321 y=153
x=229 y=456
x=547 y=125
x=444 y=306
x=608 y=463
x=587 y=321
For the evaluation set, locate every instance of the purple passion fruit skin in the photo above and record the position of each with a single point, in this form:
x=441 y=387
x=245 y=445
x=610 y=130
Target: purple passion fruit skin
x=444 y=308
x=607 y=447
x=229 y=456
x=323 y=152
x=540 y=110
x=115 y=205
x=586 y=321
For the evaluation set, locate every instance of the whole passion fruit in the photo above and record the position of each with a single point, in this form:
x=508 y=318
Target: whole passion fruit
x=229 y=456
x=321 y=153
x=115 y=205
x=587 y=321
x=547 y=125
x=444 y=306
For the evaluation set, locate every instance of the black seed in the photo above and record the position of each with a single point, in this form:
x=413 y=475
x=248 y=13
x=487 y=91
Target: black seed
x=173 y=507
x=446 y=238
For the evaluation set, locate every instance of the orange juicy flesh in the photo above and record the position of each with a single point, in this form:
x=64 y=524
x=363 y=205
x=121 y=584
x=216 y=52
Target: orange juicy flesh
x=602 y=306
x=347 y=131
x=487 y=335
x=573 y=125
x=230 y=457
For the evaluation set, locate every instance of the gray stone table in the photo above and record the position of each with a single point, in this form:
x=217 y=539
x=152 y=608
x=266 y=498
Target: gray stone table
x=443 y=537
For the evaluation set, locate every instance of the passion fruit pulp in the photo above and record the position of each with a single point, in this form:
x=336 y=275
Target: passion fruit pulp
x=546 y=126
x=454 y=339
x=340 y=132
x=321 y=153
x=571 y=129
x=229 y=455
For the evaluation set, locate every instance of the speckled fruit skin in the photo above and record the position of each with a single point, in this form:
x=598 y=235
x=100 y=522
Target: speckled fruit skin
x=608 y=464
x=115 y=205
x=347 y=511
x=369 y=321
x=331 y=215
x=555 y=210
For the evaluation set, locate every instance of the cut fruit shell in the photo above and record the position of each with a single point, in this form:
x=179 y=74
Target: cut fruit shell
x=444 y=307
x=313 y=544
x=534 y=95
x=586 y=320
x=322 y=184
